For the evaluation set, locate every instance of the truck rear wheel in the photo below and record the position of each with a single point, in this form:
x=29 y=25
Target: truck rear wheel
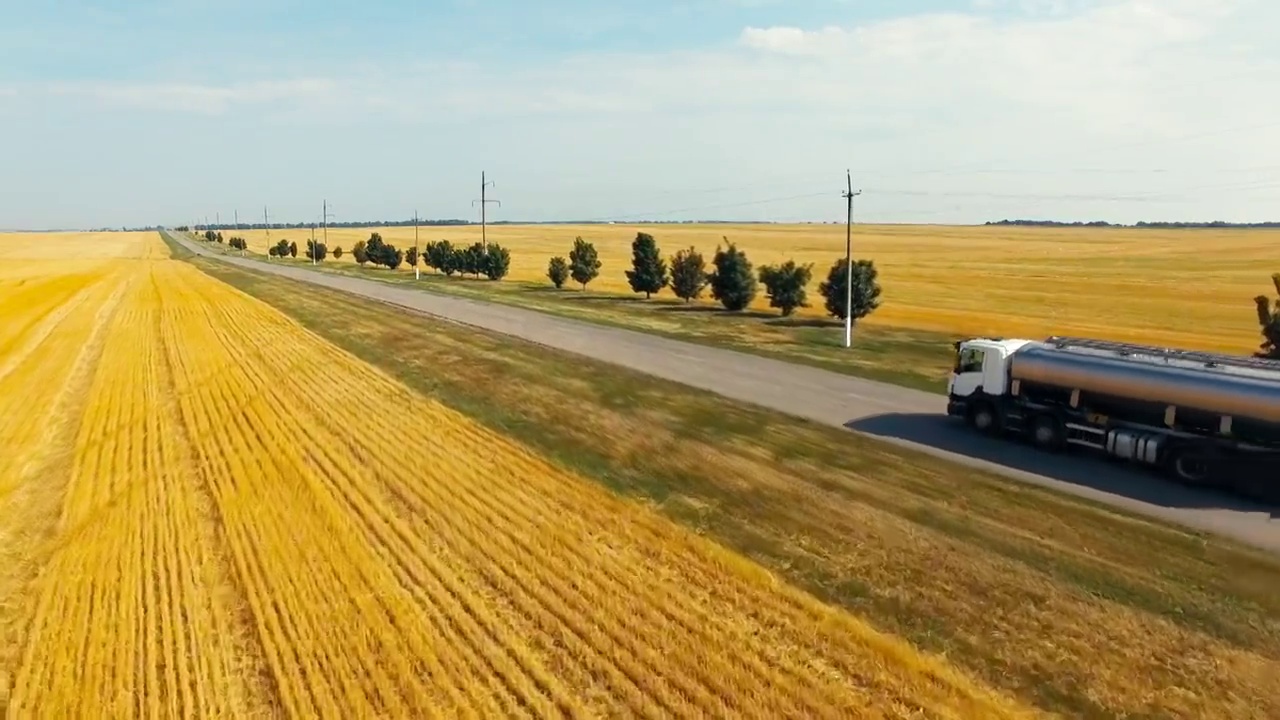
x=1189 y=468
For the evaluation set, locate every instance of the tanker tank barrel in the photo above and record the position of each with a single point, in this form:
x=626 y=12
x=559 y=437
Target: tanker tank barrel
x=1220 y=384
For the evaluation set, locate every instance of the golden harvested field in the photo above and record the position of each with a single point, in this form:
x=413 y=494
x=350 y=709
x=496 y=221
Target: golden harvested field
x=1188 y=288
x=207 y=510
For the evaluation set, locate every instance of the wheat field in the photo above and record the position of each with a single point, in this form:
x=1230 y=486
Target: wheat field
x=1185 y=288
x=209 y=511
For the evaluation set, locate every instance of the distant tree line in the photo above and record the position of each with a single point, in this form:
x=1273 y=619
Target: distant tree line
x=443 y=223
x=1140 y=224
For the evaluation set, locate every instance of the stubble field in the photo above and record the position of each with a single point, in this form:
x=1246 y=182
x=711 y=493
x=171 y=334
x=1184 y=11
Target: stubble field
x=207 y=510
x=1185 y=288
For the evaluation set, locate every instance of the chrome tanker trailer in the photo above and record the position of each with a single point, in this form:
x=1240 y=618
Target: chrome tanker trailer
x=1202 y=418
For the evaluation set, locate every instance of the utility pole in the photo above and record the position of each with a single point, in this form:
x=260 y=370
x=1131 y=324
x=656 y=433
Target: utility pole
x=849 y=195
x=483 y=202
x=416 y=275
x=324 y=222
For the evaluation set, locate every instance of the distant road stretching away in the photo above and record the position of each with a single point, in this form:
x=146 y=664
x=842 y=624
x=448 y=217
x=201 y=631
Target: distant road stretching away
x=902 y=416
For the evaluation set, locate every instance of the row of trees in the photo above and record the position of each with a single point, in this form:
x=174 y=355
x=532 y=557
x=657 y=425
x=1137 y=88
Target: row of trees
x=235 y=242
x=491 y=260
x=733 y=281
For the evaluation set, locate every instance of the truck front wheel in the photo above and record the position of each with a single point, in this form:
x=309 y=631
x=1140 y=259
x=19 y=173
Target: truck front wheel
x=982 y=416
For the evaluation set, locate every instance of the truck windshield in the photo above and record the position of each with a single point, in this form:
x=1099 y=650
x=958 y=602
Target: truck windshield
x=969 y=360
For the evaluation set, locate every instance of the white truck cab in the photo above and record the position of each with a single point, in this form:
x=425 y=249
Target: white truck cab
x=982 y=366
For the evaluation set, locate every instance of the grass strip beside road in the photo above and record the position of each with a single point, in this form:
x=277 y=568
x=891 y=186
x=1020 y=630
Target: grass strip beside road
x=909 y=358
x=1079 y=609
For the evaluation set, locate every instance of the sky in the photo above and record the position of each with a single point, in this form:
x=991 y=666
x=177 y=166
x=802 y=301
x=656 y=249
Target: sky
x=171 y=111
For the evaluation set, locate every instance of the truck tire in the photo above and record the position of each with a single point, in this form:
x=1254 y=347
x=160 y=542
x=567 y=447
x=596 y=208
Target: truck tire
x=1046 y=433
x=982 y=416
x=1189 y=467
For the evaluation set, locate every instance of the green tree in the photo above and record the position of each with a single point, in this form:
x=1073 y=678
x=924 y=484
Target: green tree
x=442 y=257
x=361 y=252
x=219 y=236
x=380 y=252
x=273 y=251
x=282 y=248
x=584 y=262
x=558 y=271
x=337 y=253
x=649 y=271
x=210 y=235
x=316 y=251
x=688 y=274
x=1269 y=319
x=411 y=257
x=785 y=285
x=453 y=257
x=392 y=257
x=866 y=290
x=429 y=255
x=497 y=262
x=384 y=253
x=473 y=258
x=732 y=283
x=293 y=249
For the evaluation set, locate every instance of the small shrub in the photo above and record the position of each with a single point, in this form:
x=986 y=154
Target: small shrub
x=688 y=274
x=558 y=271
x=785 y=285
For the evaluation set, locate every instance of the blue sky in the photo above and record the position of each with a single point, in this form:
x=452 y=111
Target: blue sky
x=168 y=111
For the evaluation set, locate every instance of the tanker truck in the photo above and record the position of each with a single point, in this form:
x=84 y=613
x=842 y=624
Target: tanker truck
x=1201 y=419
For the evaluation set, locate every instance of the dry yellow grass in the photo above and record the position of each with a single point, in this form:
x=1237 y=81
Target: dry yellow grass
x=1183 y=288
x=1073 y=607
x=214 y=512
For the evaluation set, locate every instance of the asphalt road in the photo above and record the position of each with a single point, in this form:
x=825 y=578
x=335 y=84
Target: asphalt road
x=902 y=416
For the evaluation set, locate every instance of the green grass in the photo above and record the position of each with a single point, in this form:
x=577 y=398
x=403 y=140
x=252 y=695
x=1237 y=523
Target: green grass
x=909 y=358
x=1079 y=609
